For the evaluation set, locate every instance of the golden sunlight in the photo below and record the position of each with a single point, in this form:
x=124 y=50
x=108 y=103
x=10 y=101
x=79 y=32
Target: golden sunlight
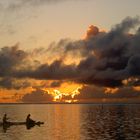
x=58 y=94
x=111 y=90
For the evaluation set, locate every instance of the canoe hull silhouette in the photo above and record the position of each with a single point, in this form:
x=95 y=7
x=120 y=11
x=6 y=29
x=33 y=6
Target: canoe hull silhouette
x=21 y=123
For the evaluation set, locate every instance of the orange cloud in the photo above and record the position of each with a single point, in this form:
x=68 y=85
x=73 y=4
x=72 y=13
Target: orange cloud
x=92 y=31
x=111 y=90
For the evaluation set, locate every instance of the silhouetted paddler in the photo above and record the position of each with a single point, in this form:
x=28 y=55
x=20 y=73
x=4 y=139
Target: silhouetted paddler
x=5 y=118
x=29 y=120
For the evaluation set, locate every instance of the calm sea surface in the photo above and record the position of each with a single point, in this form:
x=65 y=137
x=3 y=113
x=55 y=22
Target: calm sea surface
x=73 y=122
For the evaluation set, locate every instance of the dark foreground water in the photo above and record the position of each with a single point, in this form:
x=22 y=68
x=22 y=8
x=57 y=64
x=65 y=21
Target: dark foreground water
x=74 y=122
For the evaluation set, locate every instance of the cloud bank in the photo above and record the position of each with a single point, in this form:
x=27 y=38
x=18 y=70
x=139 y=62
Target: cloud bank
x=37 y=96
x=104 y=59
x=107 y=58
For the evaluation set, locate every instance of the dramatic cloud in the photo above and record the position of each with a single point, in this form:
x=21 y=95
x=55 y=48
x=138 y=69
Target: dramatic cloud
x=37 y=96
x=55 y=71
x=11 y=83
x=13 y=59
x=92 y=92
x=10 y=58
x=105 y=59
x=92 y=31
x=108 y=57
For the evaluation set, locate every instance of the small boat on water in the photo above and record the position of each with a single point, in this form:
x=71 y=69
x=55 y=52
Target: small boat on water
x=21 y=123
x=28 y=125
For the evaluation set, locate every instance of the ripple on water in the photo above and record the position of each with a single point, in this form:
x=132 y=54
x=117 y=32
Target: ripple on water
x=74 y=122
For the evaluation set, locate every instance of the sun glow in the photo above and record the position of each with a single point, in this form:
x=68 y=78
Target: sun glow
x=75 y=92
x=57 y=95
x=70 y=101
x=60 y=96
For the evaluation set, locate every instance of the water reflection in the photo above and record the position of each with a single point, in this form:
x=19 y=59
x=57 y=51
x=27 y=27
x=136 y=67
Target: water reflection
x=64 y=123
x=5 y=128
x=110 y=122
x=28 y=127
x=74 y=122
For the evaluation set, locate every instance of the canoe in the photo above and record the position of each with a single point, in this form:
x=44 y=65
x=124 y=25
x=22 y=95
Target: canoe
x=21 y=123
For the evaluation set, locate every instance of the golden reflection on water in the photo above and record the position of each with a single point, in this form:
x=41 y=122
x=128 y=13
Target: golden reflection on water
x=66 y=122
x=74 y=122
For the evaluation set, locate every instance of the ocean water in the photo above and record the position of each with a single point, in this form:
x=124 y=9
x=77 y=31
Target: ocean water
x=73 y=122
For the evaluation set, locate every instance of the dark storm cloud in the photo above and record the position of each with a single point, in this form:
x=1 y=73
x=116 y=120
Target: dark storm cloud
x=37 y=96
x=11 y=57
x=11 y=83
x=92 y=92
x=55 y=71
x=105 y=44
x=134 y=65
x=109 y=57
x=106 y=58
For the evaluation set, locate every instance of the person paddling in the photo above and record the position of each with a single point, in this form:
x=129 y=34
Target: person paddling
x=5 y=119
x=29 y=120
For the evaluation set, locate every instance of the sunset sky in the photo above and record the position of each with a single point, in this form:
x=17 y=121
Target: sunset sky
x=69 y=51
